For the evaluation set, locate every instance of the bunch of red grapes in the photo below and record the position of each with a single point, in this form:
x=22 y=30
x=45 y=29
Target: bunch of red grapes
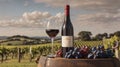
x=87 y=52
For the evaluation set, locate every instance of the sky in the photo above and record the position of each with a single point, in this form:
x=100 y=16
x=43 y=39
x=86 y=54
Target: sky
x=30 y=17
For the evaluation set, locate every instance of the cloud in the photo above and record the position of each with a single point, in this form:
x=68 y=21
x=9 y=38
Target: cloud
x=26 y=3
x=102 y=5
x=98 y=22
x=34 y=19
x=100 y=17
x=5 y=2
x=103 y=18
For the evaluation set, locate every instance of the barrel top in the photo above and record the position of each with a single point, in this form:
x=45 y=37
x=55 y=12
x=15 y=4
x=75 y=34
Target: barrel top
x=63 y=62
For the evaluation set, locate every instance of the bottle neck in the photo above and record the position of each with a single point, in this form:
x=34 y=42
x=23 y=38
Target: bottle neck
x=67 y=11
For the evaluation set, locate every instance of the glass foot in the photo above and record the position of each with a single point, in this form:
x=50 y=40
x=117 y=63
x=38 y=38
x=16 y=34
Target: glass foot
x=50 y=56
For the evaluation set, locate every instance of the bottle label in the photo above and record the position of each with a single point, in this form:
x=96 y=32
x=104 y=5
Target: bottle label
x=67 y=41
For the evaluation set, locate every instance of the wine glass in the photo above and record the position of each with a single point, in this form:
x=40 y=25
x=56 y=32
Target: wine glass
x=52 y=30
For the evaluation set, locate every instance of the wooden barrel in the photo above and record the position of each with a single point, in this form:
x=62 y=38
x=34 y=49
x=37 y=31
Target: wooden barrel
x=62 y=62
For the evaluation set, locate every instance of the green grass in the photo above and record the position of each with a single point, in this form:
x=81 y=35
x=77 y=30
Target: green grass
x=14 y=63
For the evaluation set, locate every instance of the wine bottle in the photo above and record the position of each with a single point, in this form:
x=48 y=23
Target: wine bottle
x=67 y=32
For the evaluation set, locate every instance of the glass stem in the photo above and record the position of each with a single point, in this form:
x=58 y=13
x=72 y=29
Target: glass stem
x=52 y=40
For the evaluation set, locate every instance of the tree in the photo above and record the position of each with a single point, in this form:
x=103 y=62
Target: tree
x=85 y=35
x=117 y=33
x=111 y=35
x=105 y=35
x=99 y=37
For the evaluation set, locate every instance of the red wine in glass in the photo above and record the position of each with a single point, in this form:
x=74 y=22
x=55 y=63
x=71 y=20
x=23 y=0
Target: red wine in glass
x=52 y=32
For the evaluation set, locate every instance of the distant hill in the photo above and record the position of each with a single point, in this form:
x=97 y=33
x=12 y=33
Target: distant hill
x=33 y=37
x=40 y=37
x=3 y=37
x=23 y=40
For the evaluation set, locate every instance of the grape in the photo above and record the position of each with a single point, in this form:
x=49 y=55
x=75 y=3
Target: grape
x=79 y=55
x=101 y=47
x=86 y=52
x=93 y=49
x=74 y=51
x=59 y=53
x=73 y=54
x=109 y=53
x=90 y=56
x=69 y=56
